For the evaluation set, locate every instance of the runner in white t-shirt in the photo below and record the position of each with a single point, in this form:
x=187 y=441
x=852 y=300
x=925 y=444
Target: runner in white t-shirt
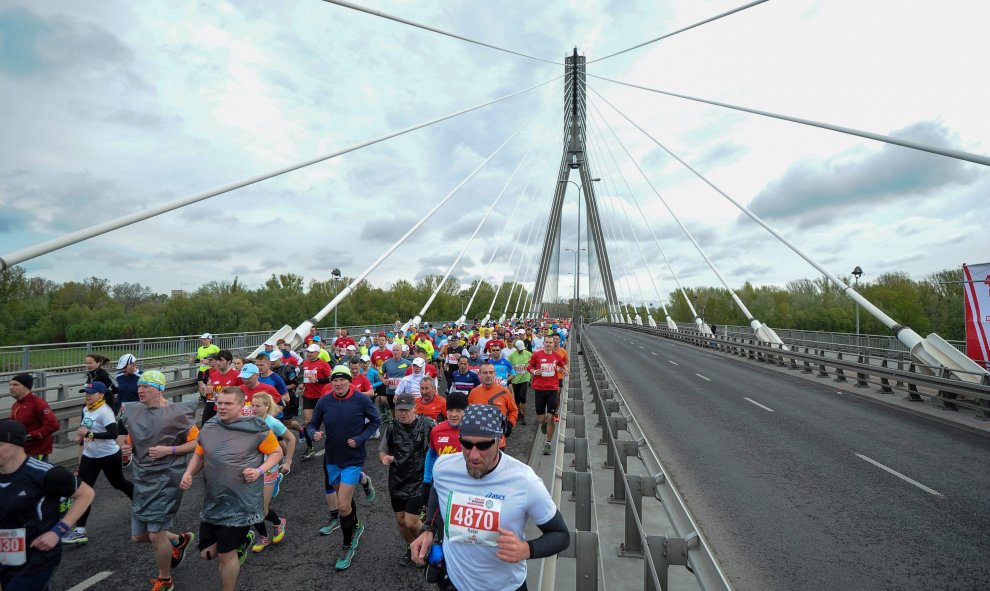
x=481 y=500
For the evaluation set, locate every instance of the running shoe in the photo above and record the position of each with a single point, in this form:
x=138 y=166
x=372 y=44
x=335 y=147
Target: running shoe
x=546 y=448
x=261 y=545
x=76 y=536
x=358 y=530
x=543 y=428
x=163 y=584
x=278 y=484
x=346 y=555
x=310 y=452
x=179 y=552
x=242 y=551
x=406 y=559
x=279 y=531
x=333 y=526
x=369 y=491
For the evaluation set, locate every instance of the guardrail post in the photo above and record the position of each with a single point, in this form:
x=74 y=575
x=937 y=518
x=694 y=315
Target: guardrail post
x=860 y=376
x=985 y=403
x=25 y=358
x=140 y=349
x=89 y=348
x=40 y=378
x=884 y=382
x=913 y=395
x=639 y=486
x=946 y=396
x=623 y=449
x=578 y=421
x=807 y=364
x=822 y=371
x=840 y=376
x=664 y=552
x=579 y=483
x=584 y=550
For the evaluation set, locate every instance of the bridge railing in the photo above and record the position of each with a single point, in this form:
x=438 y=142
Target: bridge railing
x=160 y=351
x=917 y=380
x=659 y=552
x=869 y=344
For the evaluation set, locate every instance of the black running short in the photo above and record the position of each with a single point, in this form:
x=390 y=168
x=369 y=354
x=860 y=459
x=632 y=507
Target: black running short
x=309 y=403
x=412 y=506
x=225 y=537
x=546 y=401
x=519 y=392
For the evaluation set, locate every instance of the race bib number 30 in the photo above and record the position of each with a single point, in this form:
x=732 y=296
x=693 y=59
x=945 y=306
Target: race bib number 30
x=13 y=547
x=473 y=520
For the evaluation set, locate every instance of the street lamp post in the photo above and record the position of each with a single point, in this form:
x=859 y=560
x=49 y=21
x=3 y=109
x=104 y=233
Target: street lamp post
x=856 y=273
x=577 y=278
x=577 y=265
x=336 y=275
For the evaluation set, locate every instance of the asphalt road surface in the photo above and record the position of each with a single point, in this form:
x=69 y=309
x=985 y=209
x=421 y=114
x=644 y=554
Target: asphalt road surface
x=303 y=561
x=796 y=486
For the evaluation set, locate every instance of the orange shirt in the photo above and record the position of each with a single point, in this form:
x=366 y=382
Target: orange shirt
x=434 y=409
x=563 y=355
x=501 y=397
x=267 y=447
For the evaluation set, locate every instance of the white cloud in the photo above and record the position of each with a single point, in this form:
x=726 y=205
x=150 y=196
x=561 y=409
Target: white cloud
x=150 y=101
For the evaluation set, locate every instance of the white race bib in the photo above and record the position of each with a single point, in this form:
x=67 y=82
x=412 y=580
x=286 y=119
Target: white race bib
x=452 y=358
x=13 y=547
x=309 y=376
x=393 y=383
x=473 y=520
x=548 y=369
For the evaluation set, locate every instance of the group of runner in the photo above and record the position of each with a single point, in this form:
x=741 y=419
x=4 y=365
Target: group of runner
x=385 y=386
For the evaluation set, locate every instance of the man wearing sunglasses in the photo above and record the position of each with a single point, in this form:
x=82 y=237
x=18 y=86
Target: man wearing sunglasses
x=483 y=498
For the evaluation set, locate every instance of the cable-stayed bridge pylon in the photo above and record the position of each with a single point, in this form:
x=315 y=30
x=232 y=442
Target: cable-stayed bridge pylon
x=574 y=159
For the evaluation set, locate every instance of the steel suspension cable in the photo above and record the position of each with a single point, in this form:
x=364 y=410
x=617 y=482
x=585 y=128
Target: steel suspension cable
x=347 y=290
x=41 y=248
x=681 y=30
x=602 y=140
x=435 y=30
x=852 y=293
x=515 y=277
x=949 y=152
x=608 y=149
x=498 y=245
x=419 y=317
x=615 y=238
x=697 y=319
x=754 y=323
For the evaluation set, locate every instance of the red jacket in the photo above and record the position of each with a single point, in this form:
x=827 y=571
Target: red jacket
x=543 y=366
x=40 y=422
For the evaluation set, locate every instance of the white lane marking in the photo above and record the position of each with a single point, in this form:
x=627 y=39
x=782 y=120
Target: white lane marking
x=702 y=377
x=642 y=347
x=674 y=362
x=899 y=475
x=91 y=581
x=766 y=408
x=654 y=353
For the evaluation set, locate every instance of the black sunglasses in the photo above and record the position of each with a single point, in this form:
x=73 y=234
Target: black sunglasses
x=482 y=446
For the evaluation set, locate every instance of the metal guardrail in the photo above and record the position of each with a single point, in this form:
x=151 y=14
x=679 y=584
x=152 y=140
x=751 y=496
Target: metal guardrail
x=869 y=344
x=68 y=408
x=659 y=552
x=916 y=380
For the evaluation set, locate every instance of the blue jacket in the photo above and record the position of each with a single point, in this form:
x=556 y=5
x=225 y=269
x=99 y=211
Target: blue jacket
x=343 y=419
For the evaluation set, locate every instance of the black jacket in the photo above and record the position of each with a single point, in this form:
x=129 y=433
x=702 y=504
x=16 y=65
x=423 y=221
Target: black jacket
x=408 y=443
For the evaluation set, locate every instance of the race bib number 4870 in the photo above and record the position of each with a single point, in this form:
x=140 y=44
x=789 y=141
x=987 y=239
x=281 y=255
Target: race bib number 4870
x=13 y=547
x=473 y=520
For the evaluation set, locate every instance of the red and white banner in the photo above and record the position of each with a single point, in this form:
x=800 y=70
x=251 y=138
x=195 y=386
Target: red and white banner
x=977 y=303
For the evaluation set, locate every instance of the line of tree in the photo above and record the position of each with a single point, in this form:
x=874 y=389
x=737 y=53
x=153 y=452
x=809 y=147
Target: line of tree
x=37 y=310
x=933 y=304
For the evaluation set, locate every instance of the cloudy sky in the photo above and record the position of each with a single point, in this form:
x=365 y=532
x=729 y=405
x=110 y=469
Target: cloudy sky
x=110 y=107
